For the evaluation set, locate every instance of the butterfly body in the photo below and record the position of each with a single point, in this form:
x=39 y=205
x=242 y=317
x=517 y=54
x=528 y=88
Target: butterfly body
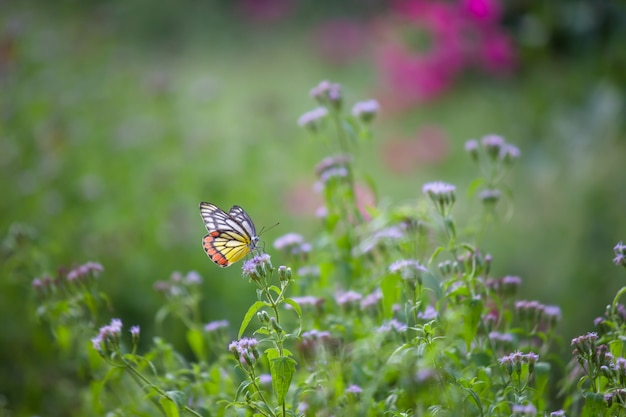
x=231 y=235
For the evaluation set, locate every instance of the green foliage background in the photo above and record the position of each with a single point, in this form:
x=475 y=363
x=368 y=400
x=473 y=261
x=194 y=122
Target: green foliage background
x=117 y=118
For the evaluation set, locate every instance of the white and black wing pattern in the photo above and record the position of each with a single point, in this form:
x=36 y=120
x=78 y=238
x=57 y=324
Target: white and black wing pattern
x=231 y=235
x=242 y=218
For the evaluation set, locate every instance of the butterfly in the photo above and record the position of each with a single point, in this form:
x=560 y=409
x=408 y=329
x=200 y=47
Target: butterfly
x=231 y=235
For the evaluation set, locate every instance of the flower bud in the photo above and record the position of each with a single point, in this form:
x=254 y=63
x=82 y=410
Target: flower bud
x=284 y=273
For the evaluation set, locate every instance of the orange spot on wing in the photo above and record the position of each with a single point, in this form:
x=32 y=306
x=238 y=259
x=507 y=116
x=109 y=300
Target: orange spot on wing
x=215 y=234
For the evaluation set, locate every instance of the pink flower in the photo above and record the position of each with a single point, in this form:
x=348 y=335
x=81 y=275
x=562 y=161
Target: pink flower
x=496 y=52
x=482 y=10
x=426 y=44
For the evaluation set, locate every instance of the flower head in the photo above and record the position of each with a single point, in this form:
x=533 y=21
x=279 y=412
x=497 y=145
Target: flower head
x=408 y=269
x=442 y=194
x=287 y=241
x=327 y=93
x=257 y=267
x=134 y=331
x=365 y=110
x=620 y=254
x=354 y=389
x=313 y=118
x=471 y=147
x=216 y=325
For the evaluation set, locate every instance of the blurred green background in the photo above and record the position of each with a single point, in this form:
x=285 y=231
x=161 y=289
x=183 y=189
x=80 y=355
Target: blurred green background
x=118 y=117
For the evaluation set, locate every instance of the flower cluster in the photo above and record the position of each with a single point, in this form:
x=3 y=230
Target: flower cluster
x=408 y=269
x=314 y=341
x=292 y=244
x=442 y=194
x=257 y=267
x=108 y=338
x=178 y=284
x=515 y=361
x=505 y=287
x=536 y=314
x=365 y=110
x=620 y=254
x=75 y=278
x=327 y=94
x=245 y=350
x=494 y=147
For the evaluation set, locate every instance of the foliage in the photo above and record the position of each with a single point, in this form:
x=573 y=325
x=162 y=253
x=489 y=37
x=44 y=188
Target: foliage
x=390 y=310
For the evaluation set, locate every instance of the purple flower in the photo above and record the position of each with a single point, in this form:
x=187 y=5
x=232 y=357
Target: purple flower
x=365 y=110
x=490 y=195
x=372 y=300
x=134 y=331
x=333 y=173
x=501 y=337
x=97 y=343
x=438 y=188
x=193 y=278
x=492 y=142
x=332 y=162
x=509 y=152
x=348 y=297
x=354 y=389
x=408 y=269
x=442 y=194
x=307 y=300
x=309 y=270
x=527 y=410
x=471 y=147
x=392 y=325
x=265 y=379
x=245 y=350
x=257 y=266
x=216 y=325
x=288 y=240
x=311 y=119
x=585 y=342
x=327 y=93
x=558 y=413
x=428 y=314
x=115 y=327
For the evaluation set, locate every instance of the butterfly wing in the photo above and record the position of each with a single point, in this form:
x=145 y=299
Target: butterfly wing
x=228 y=239
x=243 y=219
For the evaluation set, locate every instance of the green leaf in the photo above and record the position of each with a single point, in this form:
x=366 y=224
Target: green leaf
x=473 y=311
x=169 y=405
x=251 y=313
x=390 y=287
x=471 y=190
x=282 y=370
x=195 y=338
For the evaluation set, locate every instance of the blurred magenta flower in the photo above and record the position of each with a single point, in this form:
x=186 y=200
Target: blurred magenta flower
x=426 y=44
x=482 y=10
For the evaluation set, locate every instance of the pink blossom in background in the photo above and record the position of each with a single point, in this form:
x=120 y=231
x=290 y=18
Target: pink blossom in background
x=340 y=41
x=426 y=44
x=482 y=10
x=496 y=53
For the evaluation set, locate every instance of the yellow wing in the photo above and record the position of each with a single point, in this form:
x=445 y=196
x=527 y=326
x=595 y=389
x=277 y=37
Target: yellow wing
x=231 y=235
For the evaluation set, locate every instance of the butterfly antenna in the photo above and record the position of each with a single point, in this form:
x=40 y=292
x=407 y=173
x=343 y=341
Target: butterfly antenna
x=264 y=229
